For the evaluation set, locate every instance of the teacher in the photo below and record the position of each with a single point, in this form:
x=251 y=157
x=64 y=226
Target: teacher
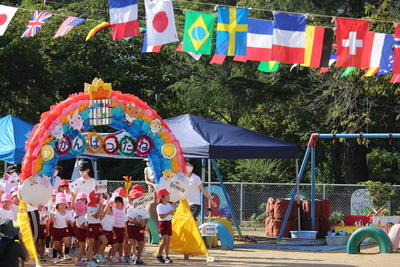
x=195 y=186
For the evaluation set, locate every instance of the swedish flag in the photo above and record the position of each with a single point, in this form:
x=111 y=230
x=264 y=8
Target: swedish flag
x=232 y=31
x=199 y=28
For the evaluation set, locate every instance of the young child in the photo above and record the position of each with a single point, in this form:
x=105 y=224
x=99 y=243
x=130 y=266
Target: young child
x=81 y=230
x=6 y=211
x=165 y=212
x=44 y=215
x=60 y=229
x=137 y=221
x=50 y=207
x=107 y=223
x=119 y=228
x=95 y=230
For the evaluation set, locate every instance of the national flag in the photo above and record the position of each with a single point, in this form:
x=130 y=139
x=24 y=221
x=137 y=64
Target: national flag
x=269 y=66
x=383 y=70
x=98 y=27
x=371 y=72
x=395 y=78
x=378 y=47
x=288 y=38
x=348 y=71
x=198 y=32
x=396 y=50
x=37 y=20
x=196 y=56
x=123 y=18
x=6 y=14
x=160 y=22
x=232 y=31
x=332 y=60
x=319 y=42
x=351 y=37
x=67 y=25
x=217 y=59
x=150 y=49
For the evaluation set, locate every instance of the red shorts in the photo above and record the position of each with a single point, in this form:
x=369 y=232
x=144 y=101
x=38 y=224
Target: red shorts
x=165 y=227
x=43 y=231
x=71 y=230
x=81 y=234
x=94 y=230
x=50 y=226
x=120 y=234
x=110 y=237
x=59 y=233
x=136 y=232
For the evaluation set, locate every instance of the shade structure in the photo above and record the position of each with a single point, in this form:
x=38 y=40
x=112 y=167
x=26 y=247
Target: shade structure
x=208 y=139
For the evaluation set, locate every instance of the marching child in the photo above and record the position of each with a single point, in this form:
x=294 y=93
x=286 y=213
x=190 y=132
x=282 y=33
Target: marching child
x=81 y=230
x=95 y=230
x=119 y=228
x=137 y=221
x=107 y=224
x=43 y=215
x=60 y=229
x=165 y=212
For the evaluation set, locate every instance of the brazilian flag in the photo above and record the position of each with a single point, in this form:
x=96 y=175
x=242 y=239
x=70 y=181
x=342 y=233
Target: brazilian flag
x=269 y=66
x=198 y=32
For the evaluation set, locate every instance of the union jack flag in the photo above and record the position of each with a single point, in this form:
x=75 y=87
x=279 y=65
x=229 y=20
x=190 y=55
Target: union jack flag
x=67 y=25
x=36 y=22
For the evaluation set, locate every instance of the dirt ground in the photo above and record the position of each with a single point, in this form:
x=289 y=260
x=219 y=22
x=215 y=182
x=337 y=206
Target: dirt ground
x=369 y=256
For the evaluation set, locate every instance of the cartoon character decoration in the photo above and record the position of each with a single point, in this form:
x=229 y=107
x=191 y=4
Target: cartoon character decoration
x=75 y=121
x=222 y=208
x=132 y=112
x=36 y=190
x=57 y=132
x=155 y=126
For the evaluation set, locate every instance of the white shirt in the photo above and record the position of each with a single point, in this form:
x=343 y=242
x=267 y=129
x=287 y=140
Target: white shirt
x=164 y=209
x=90 y=212
x=70 y=215
x=44 y=214
x=120 y=218
x=7 y=214
x=81 y=220
x=61 y=220
x=15 y=210
x=137 y=214
x=86 y=186
x=193 y=195
x=107 y=222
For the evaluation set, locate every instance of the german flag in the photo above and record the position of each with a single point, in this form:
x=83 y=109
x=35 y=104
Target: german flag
x=93 y=31
x=319 y=42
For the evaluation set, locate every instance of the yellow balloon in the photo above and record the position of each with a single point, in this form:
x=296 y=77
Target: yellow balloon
x=168 y=150
x=47 y=153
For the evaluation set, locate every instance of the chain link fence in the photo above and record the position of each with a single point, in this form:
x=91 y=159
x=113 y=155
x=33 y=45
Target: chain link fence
x=246 y=198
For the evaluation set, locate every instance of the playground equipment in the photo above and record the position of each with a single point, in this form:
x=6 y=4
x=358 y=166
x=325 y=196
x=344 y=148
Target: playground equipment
x=353 y=245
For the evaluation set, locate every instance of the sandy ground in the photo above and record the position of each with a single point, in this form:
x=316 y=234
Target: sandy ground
x=369 y=256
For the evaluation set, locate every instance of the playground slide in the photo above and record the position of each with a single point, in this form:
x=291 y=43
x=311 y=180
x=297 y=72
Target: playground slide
x=353 y=245
x=223 y=234
x=394 y=235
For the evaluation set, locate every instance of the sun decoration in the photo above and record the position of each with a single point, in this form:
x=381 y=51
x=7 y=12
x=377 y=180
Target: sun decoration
x=98 y=89
x=127 y=183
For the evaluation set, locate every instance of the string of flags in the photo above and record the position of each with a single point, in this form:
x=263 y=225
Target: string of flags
x=286 y=39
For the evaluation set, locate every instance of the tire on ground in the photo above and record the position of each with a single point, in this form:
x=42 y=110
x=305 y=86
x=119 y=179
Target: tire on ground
x=353 y=245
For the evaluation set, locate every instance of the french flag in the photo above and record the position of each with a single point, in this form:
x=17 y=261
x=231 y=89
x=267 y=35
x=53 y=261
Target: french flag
x=289 y=38
x=123 y=18
x=150 y=48
x=259 y=41
x=378 y=47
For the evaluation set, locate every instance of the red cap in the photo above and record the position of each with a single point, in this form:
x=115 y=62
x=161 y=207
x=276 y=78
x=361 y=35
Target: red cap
x=135 y=194
x=93 y=196
x=161 y=192
x=121 y=191
x=137 y=187
x=63 y=182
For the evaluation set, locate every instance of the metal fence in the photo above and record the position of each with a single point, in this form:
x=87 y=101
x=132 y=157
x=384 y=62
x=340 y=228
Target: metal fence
x=246 y=198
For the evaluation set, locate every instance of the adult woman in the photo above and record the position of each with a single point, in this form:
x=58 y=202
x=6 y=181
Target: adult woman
x=195 y=186
x=86 y=183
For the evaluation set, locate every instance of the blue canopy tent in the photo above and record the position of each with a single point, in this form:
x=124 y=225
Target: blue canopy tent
x=208 y=139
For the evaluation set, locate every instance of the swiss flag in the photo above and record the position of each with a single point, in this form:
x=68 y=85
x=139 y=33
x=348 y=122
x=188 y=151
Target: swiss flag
x=396 y=51
x=351 y=42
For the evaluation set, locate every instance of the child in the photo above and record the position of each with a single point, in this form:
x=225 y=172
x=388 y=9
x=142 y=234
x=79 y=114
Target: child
x=81 y=230
x=165 y=212
x=50 y=207
x=6 y=211
x=44 y=215
x=119 y=228
x=60 y=229
x=137 y=220
x=94 y=230
x=107 y=224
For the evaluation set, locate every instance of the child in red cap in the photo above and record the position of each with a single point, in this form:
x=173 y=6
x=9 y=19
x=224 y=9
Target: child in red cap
x=165 y=212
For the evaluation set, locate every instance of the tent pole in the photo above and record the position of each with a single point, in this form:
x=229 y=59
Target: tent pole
x=313 y=188
x=209 y=189
x=226 y=196
x=298 y=196
x=203 y=179
x=303 y=166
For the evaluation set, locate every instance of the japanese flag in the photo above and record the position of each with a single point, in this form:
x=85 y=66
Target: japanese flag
x=160 y=22
x=6 y=14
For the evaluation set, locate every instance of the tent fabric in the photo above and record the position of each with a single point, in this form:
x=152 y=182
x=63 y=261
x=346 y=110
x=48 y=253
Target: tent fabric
x=204 y=138
x=13 y=135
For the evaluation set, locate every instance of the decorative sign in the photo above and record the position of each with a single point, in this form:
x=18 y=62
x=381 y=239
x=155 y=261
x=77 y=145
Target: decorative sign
x=100 y=111
x=178 y=187
x=209 y=230
x=127 y=146
x=47 y=153
x=64 y=145
x=94 y=142
x=143 y=146
x=168 y=150
x=78 y=145
x=110 y=144
x=101 y=186
x=144 y=201
x=74 y=185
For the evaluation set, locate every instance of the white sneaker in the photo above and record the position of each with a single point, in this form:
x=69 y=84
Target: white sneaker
x=67 y=257
x=56 y=260
x=121 y=259
x=133 y=258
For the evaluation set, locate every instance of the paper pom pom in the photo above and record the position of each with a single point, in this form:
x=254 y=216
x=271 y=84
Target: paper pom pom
x=143 y=146
x=94 y=142
x=127 y=146
x=63 y=146
x=110 y=144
